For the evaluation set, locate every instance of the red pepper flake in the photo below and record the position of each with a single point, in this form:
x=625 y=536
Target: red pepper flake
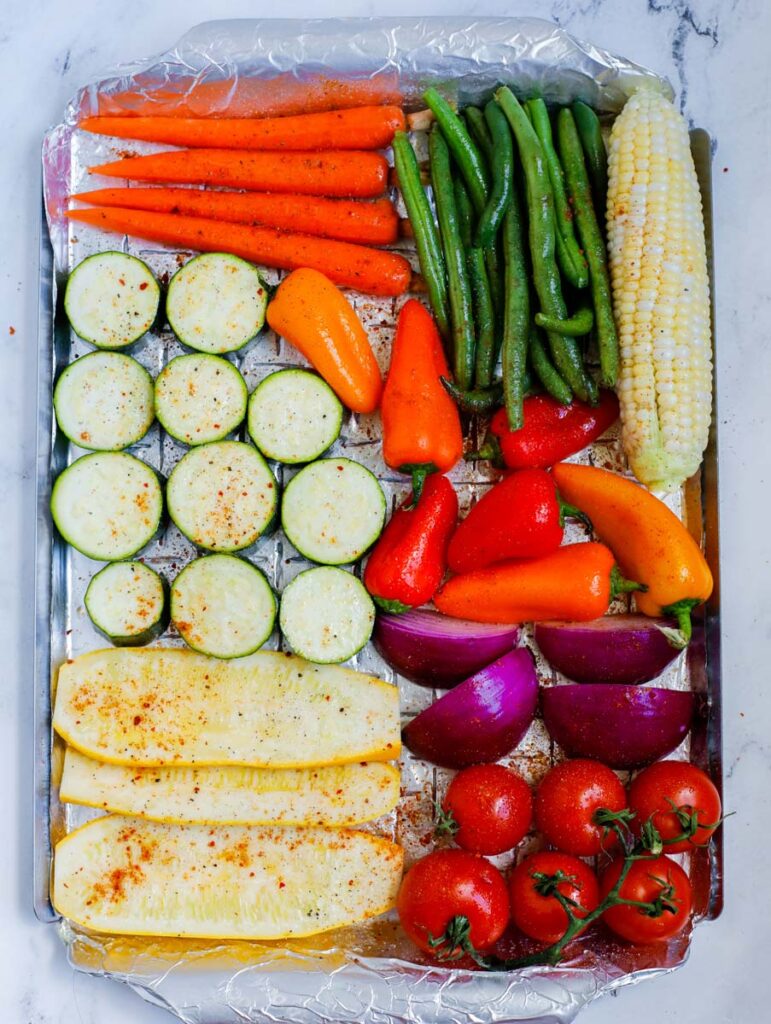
x=142 y=286
x=211 y=842
x=282 y=885
x=11 y=330
x=137 y=719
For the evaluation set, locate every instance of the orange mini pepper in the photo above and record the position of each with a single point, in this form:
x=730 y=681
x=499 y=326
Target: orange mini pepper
x=421 y=425
x=650 y=543
x=313 y=314
x=575 y=583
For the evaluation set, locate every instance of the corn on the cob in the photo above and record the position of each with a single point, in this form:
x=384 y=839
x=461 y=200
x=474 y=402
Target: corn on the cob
x=660 y=292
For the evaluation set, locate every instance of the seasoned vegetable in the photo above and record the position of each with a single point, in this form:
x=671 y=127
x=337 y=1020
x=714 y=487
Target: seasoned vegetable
x=535 y=909
x=478 y=400
x=502 y=169
x=326 y=615
x=464 y=151
x=356 y=128
x=593 y=144
x=479 y=131
x=269 y=710
x=200 y=398
x=331 y=173
x=352 y=266
x=622 y=726
x=487 y=809
x=294 y=416
x=111 y=299
x=484 y=313
x=544 y=369
x=576 y=806
x=409 y=561
x=107 y=505
x=223 y=606
x=681 y=802
x=346 y=794
x=435 y=650
x=122 y=875
x=658 y=268
x=127 y=602
x=222 y=496
x=216 y=303
x=314 y=316
x=333 y=511
x=480 y=720
x=575 y=326
x=662 y=892
x=516 y=313
x=650 y=543
x=104 y=401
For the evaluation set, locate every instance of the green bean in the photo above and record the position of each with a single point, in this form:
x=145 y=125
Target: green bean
x=477 y=400
x=479 y=132
x=455 y=257
x=569 y=254
x=480 y=289
x=427 y=239
x=594 y=246
x=545 y=372
x=565 y=352
x=576 y=326
x=502 y=168
x=516 y=313
x=590 y=133
x=461 y=145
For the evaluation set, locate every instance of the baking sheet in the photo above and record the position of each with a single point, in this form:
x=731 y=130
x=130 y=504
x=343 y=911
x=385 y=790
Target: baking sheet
x=360 y=973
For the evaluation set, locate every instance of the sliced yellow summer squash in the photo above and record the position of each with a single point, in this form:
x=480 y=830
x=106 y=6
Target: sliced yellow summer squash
x=335 y=795
x=133 y=877
x=163 y=706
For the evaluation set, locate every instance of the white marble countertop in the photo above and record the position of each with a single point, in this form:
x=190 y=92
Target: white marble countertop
x=716 y=53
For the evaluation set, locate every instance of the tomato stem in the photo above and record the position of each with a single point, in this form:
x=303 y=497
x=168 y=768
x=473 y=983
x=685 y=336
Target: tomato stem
x=456 y=942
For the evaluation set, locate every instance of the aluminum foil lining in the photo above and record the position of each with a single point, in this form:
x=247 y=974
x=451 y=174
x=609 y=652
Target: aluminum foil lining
x=263 y=67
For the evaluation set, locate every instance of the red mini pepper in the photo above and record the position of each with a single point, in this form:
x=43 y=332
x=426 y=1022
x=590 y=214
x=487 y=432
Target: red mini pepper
x=520 y=517
x=550 y=431
x=408 y=563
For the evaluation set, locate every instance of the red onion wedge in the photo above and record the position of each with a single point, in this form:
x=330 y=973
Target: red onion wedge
x=435 y=650
x=613 y=649
x=482 y=719
x=622 y=726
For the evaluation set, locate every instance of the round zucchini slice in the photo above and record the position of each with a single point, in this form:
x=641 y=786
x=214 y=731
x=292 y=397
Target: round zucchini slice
x=127 y=602
x=333 y=511
x=326 y=615
x=223 y=606
x=107 y=505
x=111 y=299
x=216 y=303
x=222 y=496
x=200 y=398
x=104 y=401
x=294 y=416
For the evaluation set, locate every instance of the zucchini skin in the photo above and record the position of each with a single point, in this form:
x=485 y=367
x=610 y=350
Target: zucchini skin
x=153 y=631
x=131 y=342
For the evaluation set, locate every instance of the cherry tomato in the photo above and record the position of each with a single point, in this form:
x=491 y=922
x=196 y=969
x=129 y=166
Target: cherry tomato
x=648 y=881
x=566 y=802
x=540 y=916
x=449 y=884
x=683 y=785
x=488 y=809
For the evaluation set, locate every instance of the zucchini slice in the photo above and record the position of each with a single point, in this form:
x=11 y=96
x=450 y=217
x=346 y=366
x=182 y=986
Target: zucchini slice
x=127 y=602
x=134 y=877
x=337 y=795
x=222 y=495
x=223 y=606
x=200 y=398
x=327 y=615
x=333 y=511
x=111 y=299
x=107 y=505
x=153 y=706
x=294 y=416
x=216 y=303
x=104 y=401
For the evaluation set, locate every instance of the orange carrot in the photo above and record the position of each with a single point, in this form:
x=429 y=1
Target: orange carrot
x=314 y=316
x=352 y=266
x=356 y=128
x=351 y=173
x=364 y=221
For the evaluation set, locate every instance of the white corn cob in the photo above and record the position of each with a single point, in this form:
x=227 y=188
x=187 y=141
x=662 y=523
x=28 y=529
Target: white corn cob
x=660 y=292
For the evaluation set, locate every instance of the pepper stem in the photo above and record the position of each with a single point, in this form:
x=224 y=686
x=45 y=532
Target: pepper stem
x=681 y=610
x=619 y=585
x=570 y=511
x=419 y=471
x=490 y=450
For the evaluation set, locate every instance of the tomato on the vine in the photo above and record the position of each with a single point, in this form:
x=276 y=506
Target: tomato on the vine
x=679 y=799
x=567 y=802
x=659 y=882
x=487 y=809
x=535 y=910
x=452 y=902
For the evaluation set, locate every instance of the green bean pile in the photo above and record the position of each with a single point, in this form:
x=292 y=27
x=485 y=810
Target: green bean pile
x=516 y=193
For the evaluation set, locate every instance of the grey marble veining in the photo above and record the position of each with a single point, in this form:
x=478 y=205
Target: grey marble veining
x=716 y=53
